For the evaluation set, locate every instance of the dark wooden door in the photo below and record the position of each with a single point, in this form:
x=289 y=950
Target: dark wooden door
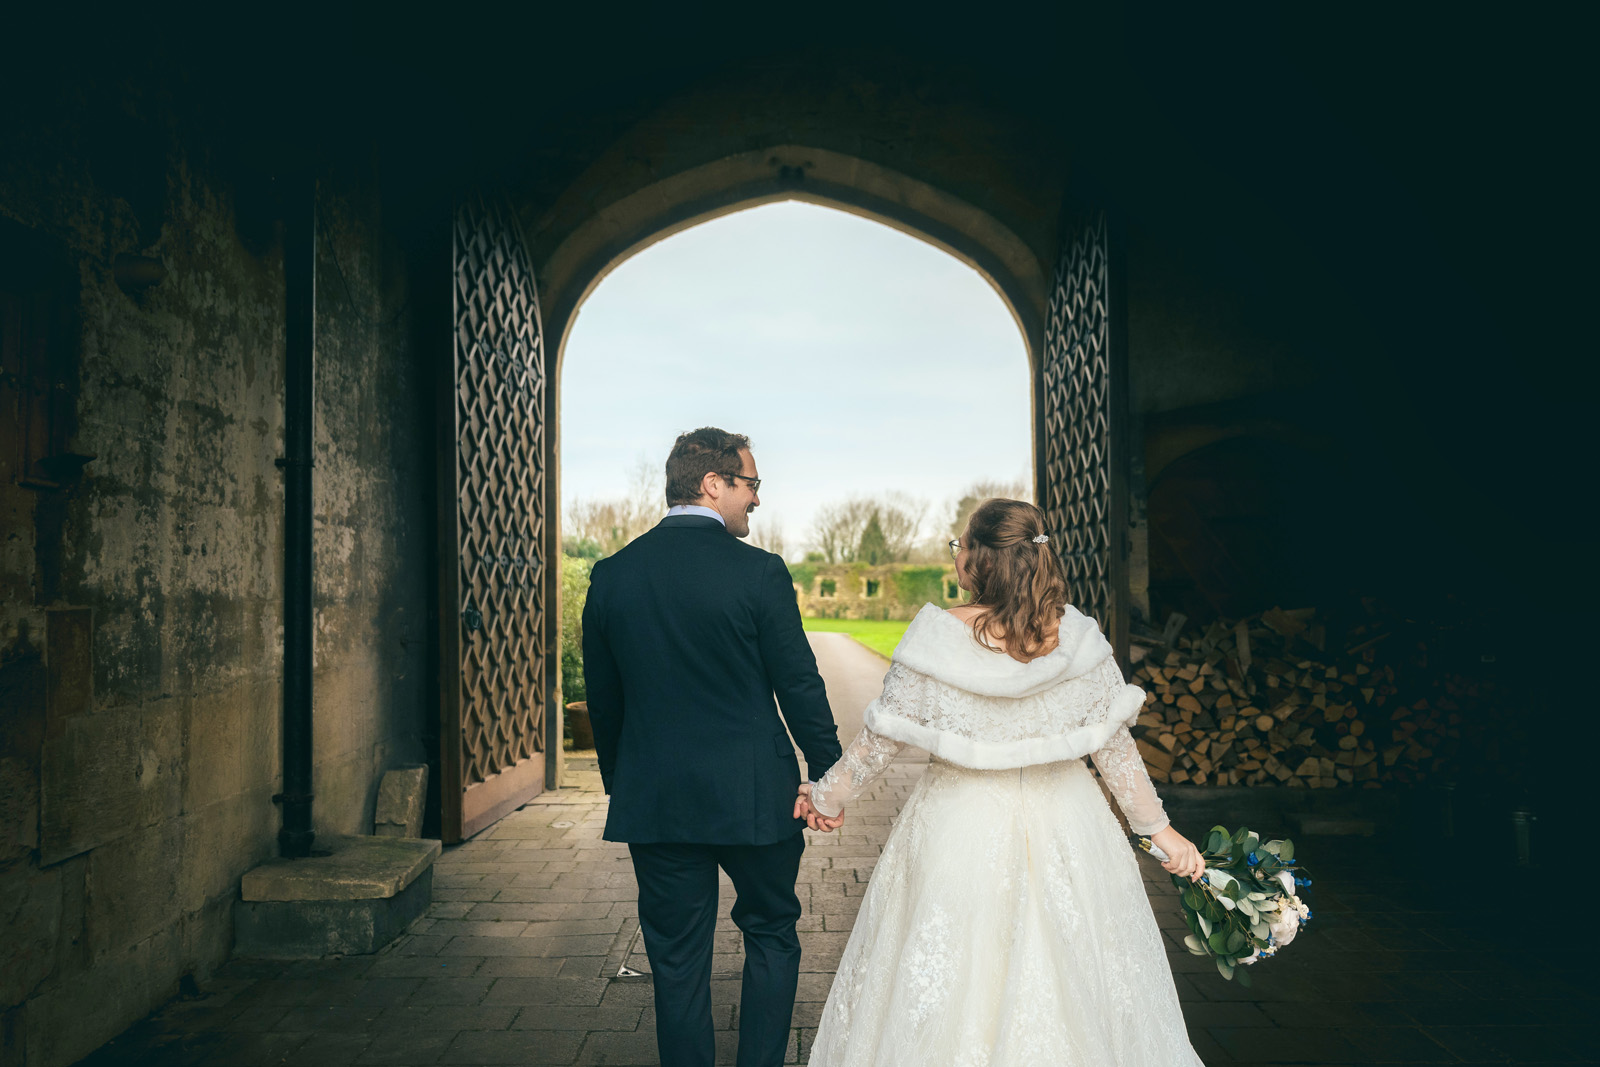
x=1083 y=488
x=494 y=671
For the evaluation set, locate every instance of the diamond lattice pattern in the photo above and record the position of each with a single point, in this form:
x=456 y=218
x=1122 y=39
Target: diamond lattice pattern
x=1077 y=391
x=500 y=376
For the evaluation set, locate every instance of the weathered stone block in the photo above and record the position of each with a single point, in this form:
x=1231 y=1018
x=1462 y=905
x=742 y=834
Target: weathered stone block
x=401 y=794
x=71 y=1018
x=310 y=929
x=343 y=787
x=19 y=807
x=162 y=760
x=217 y=749
x=30 y=914
x=133 y=888
x=223 y=841
x=356 y=899
x=354 y=868
x=69 y=664
x=91 y=792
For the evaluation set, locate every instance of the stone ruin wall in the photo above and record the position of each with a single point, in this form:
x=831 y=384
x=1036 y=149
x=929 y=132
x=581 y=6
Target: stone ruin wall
x=849 y=599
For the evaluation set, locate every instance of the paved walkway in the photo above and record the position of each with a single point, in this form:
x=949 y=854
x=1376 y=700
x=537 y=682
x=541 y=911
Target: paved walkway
x=517 y=959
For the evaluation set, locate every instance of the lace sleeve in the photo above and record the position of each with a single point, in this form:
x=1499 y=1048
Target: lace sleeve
x=1120 y=764
x=863 y=761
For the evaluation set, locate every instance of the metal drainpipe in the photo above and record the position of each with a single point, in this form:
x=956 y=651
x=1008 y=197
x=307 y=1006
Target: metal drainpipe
x=300 y=283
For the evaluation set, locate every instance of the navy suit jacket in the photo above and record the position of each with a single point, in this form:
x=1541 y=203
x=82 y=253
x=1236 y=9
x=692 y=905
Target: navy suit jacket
x=688 y=634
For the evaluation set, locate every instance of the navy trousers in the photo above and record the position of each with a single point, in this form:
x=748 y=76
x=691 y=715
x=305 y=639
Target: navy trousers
x=678 y=912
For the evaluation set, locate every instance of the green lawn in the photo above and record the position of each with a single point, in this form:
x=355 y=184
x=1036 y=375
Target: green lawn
x=879 y=635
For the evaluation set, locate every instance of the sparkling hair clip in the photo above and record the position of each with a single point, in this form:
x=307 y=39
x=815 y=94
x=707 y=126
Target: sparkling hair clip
x=1041 y=539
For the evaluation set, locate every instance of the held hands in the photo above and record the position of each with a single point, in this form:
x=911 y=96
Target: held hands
x=1183 y=859
x=814 y=819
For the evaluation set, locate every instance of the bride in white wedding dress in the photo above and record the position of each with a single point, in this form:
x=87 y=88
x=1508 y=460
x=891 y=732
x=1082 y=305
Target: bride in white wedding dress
x=1006 y=922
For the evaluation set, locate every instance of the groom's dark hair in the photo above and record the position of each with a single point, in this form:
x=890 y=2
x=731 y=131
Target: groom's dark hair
x=697 y=453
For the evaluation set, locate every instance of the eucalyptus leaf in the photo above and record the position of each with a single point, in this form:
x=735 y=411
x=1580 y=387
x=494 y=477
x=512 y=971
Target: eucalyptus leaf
x=1287 y=851
x=1195 y=945
x=1224 y=968
x=1205 y=925
x=1242 y=975
x=1236 y=942
x=1219 y=942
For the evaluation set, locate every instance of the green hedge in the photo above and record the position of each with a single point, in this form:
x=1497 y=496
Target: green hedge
x=574 y=591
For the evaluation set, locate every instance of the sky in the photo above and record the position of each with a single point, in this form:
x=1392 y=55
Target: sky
x=857 y=359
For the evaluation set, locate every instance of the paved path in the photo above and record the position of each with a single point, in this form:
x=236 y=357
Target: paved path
x=854 y=676
x=516 y=961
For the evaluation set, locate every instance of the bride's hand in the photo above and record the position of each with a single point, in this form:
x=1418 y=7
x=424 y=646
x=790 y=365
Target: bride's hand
x=814 y=819
x=1183 y=859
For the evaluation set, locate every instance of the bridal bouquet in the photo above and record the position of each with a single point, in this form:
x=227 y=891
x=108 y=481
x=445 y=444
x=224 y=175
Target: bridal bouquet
x=1245 y=907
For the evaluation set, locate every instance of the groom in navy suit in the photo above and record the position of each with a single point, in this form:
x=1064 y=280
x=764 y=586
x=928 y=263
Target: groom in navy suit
x=688 y=634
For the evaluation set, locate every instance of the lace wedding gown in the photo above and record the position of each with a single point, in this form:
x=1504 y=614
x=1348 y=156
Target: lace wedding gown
x=1006 y=922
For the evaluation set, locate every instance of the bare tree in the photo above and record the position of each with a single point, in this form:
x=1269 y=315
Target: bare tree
x=901 y=516
x=766 y=531
x=977 y=493
x=609 y=524
x=836 y=529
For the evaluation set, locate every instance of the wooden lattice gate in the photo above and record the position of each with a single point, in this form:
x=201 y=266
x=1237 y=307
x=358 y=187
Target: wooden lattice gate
x=1083 y=488
x=494 y=673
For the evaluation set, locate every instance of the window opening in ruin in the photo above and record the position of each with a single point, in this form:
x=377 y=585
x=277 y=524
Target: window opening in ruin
x=872 y=585
x=827 y=587
x=952 y=591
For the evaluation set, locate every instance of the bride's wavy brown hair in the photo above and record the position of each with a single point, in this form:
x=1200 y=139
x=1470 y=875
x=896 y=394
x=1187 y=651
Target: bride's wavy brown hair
x=1017 y=581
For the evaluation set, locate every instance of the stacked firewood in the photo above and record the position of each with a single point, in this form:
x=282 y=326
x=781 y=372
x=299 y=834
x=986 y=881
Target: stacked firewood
x=1269 y=700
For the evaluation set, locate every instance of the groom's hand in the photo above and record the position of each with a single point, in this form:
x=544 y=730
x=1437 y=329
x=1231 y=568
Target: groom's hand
x=814 y=819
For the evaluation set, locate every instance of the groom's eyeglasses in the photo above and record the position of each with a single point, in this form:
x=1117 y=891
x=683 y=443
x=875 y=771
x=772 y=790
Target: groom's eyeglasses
x=755 y=483
x=955 y=548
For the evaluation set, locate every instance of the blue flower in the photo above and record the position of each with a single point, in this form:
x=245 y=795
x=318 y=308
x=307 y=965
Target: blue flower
x=1253 y=859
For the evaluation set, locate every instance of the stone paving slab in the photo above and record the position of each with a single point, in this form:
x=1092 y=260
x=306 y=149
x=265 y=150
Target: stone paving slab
x=516 y=960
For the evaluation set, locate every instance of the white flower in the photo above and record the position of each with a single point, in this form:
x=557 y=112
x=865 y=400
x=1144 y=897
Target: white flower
x=1286 y=880
x=1285 y=927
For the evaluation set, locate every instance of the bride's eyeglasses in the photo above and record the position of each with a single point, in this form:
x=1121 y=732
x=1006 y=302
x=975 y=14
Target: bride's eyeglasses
x=955 y=548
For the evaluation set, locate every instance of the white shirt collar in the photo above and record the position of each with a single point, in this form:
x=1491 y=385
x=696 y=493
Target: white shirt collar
x=695 y=509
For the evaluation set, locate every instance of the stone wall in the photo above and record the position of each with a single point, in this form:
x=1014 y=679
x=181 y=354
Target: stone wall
x=860 y=591
x=140 y=605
